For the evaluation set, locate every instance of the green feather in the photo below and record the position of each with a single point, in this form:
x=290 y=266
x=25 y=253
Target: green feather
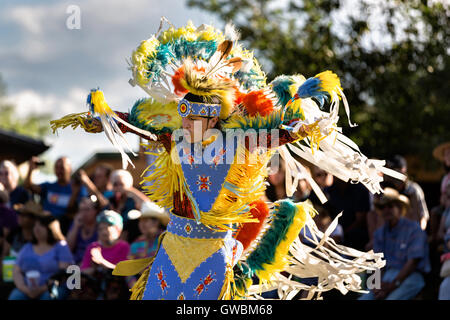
x=283 y=216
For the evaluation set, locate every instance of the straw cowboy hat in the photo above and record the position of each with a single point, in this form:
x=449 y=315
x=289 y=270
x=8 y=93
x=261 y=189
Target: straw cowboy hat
x=150 y=210
x=392 y=196
x=32 y=208
x=438 y=152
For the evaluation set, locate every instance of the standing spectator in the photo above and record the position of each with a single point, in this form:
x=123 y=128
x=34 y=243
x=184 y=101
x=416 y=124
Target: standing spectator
x=45 y=256
x=83 y=231
x=353 y=200
x=418 y=210
x=405 y=249
x=9 y=177
x=102 y=256
x=152 y=222
x=60 y=197
x=126 y=198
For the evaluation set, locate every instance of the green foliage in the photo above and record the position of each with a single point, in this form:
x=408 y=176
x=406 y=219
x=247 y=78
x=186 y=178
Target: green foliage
x=392 y=57
x=33 y=125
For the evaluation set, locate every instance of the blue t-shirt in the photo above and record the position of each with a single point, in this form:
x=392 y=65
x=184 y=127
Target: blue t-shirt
x=403 y=242
x=47 y=264
x=55 y=197
x=18 y=195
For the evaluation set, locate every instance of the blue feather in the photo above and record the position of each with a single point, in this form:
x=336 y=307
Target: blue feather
x=281 y=86
x=309 y=88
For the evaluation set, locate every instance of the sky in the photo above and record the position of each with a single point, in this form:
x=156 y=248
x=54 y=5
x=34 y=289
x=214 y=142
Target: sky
x=51 y=68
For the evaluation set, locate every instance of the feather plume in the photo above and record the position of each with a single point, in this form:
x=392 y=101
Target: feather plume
x=231 y=33
x=223 y=50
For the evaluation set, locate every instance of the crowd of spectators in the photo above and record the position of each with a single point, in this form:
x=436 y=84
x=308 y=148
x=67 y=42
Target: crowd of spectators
x=94 y=222
x=88 y=222
x=415 y=241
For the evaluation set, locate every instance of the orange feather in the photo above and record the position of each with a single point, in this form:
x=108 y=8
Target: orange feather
x=176 y=81
x=256 y=102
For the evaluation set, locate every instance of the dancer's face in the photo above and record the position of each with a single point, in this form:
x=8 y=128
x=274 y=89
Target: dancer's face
x=196 y=127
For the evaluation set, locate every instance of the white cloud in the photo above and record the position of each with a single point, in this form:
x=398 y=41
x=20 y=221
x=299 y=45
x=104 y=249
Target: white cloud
x=49 y=68
x=29 y=18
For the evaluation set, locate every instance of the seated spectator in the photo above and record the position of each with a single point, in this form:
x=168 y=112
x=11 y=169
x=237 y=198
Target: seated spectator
x=83 y=231
x=126 y=198
x=23 y=233
x=418 y=210
x=60 y=197
x=152 y=222
x=8 y=217
x=45 y=256
x=102 y=256
x=405 y=249
x=9 y=177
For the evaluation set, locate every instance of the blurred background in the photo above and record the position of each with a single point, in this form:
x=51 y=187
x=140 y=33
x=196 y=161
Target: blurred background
x=392 y=57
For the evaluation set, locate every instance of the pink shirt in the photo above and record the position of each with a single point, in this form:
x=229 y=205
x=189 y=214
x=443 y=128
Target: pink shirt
x=114 y=254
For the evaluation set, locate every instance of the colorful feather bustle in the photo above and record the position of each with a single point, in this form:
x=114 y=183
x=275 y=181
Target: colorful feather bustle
x=322 y=84
x=154 y=116
x=268 y=122
x=271 y=254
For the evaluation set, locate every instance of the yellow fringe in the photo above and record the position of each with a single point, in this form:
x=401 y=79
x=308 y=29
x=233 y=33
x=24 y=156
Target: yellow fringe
x=228 y=291
x=137 y=291
x=74 y=120
x=166 y=178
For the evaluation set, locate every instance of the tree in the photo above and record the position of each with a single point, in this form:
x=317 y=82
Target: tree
x=392 y=57
x=33 y=124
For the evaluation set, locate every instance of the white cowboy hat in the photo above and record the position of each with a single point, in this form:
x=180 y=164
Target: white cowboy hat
x=150 y=210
